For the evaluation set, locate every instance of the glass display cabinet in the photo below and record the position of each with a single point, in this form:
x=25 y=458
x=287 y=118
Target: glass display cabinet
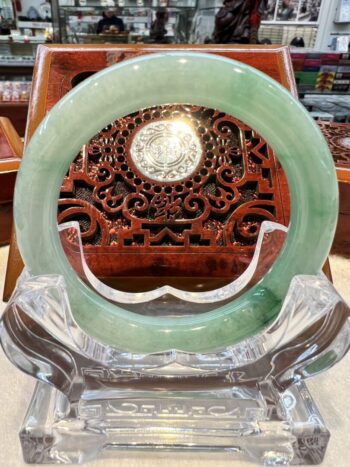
x=7 y=17
x=16 y=70
x=76 y=20
x=24 y=25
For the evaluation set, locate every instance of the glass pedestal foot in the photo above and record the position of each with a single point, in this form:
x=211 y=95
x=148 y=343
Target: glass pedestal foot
x=260 y=423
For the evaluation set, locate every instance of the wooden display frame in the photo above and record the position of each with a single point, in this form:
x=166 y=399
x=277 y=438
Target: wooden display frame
x=11 y=149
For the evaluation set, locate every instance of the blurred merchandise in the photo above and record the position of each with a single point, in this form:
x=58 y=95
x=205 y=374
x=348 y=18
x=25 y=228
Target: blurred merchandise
x=321 y=71
x=14 y=91
x=324 y=81
x=330 y=107
x=343 y=12
x=342 y=43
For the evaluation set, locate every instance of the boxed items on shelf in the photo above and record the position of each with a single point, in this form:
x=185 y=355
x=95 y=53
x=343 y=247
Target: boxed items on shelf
x=14 y=91
x=329 y=108
x=321 y=71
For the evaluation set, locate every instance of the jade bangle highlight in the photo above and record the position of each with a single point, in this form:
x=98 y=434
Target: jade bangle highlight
x=167 y=78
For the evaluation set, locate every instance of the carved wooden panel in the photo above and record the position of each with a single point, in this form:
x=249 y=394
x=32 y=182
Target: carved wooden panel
x=338 y=138
x=216 y=207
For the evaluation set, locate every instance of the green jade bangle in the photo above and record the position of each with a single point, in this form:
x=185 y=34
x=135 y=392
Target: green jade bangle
x=183 y=78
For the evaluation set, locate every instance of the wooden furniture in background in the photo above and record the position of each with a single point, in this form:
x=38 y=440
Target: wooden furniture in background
x=11 y=149
x=17 y=113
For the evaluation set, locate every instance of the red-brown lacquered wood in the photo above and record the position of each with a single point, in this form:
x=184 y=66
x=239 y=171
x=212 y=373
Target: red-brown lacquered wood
x=58 y=67
x=211 y=246
x=11 y=149
x=16 y=112
x=215 y=213
x=338 y=137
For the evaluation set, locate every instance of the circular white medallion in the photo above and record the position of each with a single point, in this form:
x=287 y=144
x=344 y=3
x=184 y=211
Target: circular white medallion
x=345 y=142
x=166 y=150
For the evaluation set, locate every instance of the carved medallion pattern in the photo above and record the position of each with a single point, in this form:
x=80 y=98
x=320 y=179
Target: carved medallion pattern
x=166 y=151
x=221 y=198
x=338 y=139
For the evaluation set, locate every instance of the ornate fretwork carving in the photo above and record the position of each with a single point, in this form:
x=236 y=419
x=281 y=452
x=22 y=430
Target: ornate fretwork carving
x=338 y=139
x=218 y=203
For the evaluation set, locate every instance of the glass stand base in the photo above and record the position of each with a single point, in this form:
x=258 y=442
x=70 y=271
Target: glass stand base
x=261 y=423
x=246 y=400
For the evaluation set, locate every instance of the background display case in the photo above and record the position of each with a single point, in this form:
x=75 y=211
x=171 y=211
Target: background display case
x=7 y=16
x=76 y=20
x=24 y=25
x=16 y=70
x=319 y=70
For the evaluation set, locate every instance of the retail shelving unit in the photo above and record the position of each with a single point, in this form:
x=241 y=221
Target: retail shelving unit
x=75 y=20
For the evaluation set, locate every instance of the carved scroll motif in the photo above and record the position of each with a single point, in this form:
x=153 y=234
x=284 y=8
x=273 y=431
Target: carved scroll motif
x=221 y=204
x=338 y=139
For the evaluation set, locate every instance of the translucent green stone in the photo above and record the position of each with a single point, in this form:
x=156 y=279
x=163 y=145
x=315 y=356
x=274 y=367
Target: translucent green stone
x=168 y=78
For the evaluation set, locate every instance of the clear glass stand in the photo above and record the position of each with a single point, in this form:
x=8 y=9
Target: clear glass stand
x=262 y=422
x=92 y=400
